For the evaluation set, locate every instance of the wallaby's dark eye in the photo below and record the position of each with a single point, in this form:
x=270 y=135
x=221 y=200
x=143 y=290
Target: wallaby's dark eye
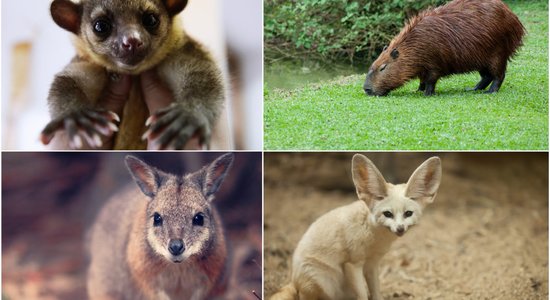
x=198 y=220
x=157 y=220
x=383 y=67
x=388 y=214
x=408 y=213
x=102 y=27
x=150 y=20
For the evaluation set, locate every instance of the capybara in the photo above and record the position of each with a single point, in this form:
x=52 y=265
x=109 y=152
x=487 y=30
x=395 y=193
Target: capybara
x=459 y=37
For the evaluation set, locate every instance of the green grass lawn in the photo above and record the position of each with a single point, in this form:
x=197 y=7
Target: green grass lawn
x=337 y=115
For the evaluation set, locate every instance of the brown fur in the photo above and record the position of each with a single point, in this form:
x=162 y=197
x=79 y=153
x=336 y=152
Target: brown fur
x=460 y=37
x=129 y=256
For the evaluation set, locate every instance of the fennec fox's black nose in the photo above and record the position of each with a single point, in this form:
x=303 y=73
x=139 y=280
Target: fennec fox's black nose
x=176 y=247
x=400 y=230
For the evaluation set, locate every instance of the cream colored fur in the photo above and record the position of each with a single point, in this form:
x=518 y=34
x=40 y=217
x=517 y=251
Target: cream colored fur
x=339 y=255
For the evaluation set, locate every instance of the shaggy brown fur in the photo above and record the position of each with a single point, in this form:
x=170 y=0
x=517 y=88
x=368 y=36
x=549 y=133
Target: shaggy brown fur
x=459 y=37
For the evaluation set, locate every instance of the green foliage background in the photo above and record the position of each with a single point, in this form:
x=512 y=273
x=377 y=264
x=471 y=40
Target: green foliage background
x=336 y=114
x=334 y=30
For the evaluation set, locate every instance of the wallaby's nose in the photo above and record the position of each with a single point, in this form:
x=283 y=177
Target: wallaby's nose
x=176 y=247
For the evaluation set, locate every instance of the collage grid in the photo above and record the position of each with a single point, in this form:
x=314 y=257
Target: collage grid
x=274 y=149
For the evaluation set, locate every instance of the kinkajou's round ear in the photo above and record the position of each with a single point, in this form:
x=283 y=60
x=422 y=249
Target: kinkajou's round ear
x=67 y=15
x=174 y=7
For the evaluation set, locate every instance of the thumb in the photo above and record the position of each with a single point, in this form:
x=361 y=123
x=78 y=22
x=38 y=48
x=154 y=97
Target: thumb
x=116 y=93
x=155 y=94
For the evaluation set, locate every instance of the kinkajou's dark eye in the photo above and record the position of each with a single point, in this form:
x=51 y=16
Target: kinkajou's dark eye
x=198 y=220
x=408 y=213
x=157 y=219
x=388 y=214
x=150 y=20
x=102 y=27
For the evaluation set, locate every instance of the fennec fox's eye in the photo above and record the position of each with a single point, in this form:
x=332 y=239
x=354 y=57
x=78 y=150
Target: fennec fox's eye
x=408 y=213
x=150 y=21
x=157 y=220
x=198 y=220
x=388 y=214
x=102 y=27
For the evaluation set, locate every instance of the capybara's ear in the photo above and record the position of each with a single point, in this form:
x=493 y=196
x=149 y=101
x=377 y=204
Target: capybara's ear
x=67 y=14
x=394 y=54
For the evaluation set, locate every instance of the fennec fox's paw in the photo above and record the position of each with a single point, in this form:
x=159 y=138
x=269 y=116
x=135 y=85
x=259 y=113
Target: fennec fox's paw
x=172 y=126
x=83 y=126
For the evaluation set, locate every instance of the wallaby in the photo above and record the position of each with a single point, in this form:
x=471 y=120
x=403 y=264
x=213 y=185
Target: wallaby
x=338 y=256
x=163 y=240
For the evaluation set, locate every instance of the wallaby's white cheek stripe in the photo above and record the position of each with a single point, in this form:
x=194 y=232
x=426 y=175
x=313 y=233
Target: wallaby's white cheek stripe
x=157 y=246
x=197 y=246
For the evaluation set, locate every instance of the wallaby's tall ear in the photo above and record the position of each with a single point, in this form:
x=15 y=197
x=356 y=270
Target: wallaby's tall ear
x=424 y=182
x=67 y=15
x=147 y=177
x=214 y=175
x=370 y=184
x=174 y=7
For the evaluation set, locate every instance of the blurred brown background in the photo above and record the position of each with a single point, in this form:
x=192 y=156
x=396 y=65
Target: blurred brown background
x=49 y=201
x=484 y=237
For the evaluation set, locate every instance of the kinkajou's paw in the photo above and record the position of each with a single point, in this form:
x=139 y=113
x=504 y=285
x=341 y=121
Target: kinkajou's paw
x=86 y=125
x=173 y=126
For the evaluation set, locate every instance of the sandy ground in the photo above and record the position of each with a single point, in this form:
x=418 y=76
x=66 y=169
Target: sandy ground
x=485 y=236
x=49 y=200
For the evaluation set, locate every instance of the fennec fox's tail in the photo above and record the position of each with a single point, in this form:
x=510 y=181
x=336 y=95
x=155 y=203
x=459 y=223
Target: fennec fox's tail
x=287 y=292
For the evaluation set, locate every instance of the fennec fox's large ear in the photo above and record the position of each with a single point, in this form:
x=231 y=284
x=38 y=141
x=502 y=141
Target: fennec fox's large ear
x=370 y=184
x=146 y=176
x=174 y=7
x=424 y=182
x=66 y=14
x=214 y=174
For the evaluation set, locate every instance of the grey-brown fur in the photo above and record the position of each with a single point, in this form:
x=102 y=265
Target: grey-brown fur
x=181 y=63
x=129 y=254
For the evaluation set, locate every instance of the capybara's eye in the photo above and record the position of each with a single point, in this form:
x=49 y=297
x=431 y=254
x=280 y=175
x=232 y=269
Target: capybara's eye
x=383 y=67
x=388 y=214
x=394 y=54
x=385 y=48
x=157 y=220
x=408 y=213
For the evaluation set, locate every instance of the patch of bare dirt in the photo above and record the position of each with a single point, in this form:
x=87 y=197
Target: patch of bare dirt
x=484 y=237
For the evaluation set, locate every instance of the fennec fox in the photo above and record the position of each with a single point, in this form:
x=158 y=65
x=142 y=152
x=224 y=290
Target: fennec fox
x=163 y=240
x=338 y=256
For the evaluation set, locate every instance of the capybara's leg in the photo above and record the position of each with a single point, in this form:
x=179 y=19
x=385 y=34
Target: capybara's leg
x=430 y=79
x=422 y=86
x=486 y=79
x=497 y=83
x=430 y=88
x=498 y=69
